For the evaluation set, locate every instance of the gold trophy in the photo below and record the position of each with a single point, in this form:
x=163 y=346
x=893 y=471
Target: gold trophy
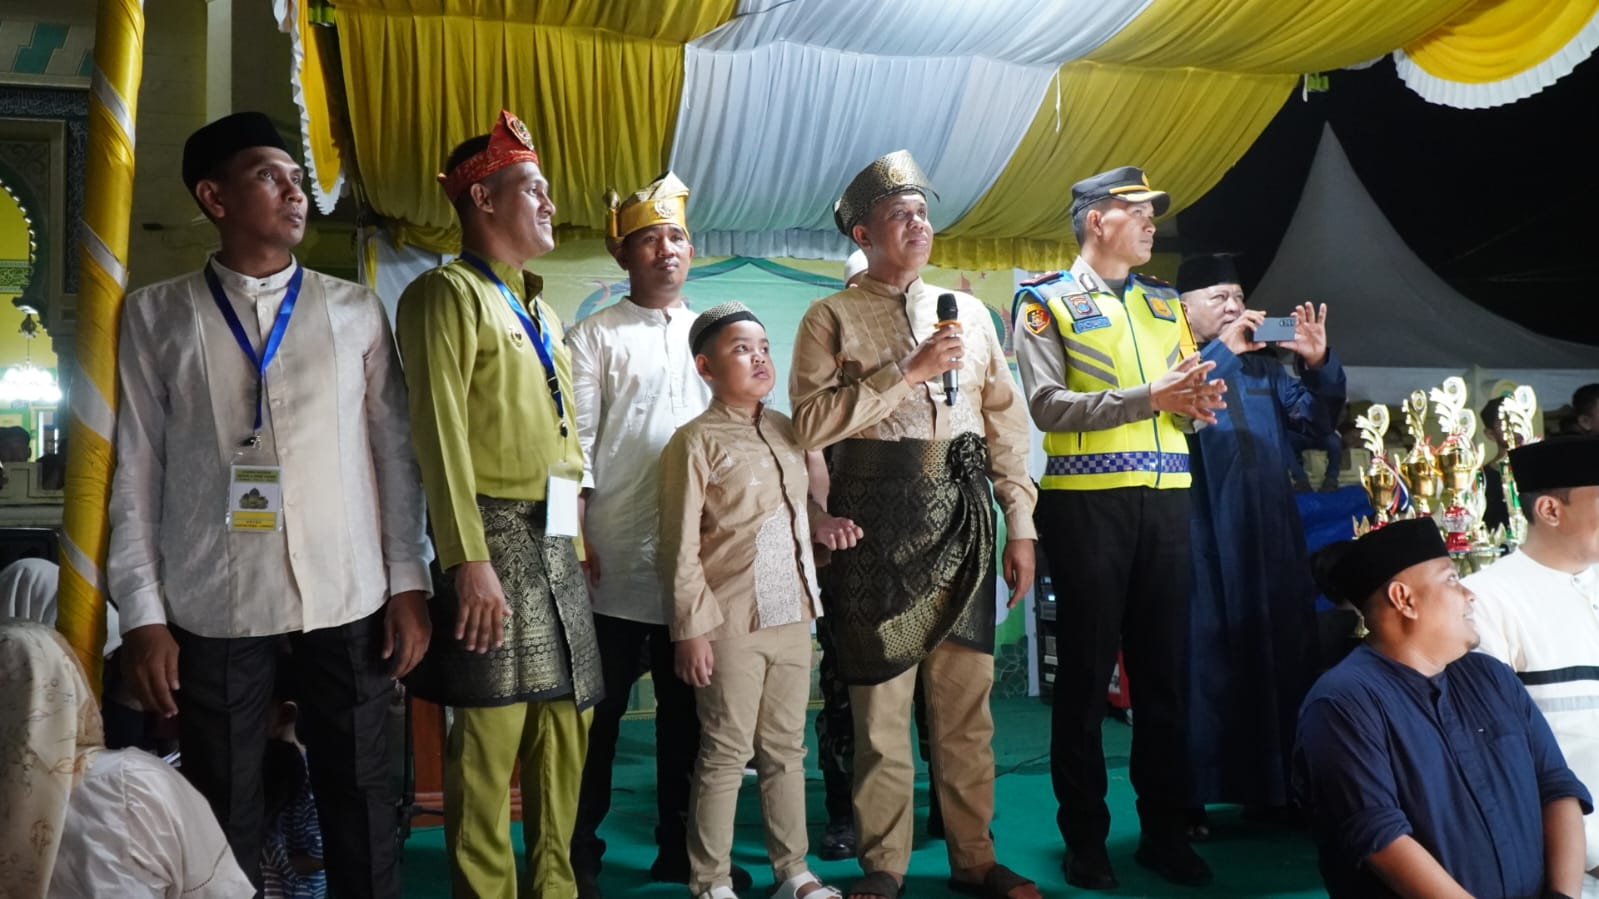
x=1420 y=468
x=1381 y=476
x=1515 y=423
x=1459 y=461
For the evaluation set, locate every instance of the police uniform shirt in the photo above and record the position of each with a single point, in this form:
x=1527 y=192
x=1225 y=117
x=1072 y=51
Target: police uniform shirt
x=1041 y=359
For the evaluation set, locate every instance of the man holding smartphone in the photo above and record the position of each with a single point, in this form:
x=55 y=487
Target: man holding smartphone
x=1252 y=616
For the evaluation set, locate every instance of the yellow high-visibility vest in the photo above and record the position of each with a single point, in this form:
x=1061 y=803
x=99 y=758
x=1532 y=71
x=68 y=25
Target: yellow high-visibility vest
x=1115 y=342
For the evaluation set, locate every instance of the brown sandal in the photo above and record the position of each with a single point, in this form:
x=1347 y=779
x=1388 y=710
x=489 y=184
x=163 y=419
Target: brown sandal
x=877 y=883
x=996 y=884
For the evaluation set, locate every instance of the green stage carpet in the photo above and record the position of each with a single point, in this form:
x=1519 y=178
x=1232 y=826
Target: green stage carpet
x=1249 y=860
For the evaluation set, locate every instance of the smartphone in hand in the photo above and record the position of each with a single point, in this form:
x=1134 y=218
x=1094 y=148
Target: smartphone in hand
x=1275 y=330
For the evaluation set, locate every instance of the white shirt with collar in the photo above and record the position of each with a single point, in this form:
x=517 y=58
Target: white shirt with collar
x=333 y=417
x=1544 y=623
x=635 y=383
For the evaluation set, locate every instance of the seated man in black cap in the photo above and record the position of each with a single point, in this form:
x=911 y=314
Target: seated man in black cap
x=1426 y=769
x=1252 y=617
x=1535 y=607
x=1112 y=378
x=257 y=378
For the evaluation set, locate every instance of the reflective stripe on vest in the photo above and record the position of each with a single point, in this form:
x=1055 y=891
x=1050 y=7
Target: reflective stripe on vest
x=1107 y=463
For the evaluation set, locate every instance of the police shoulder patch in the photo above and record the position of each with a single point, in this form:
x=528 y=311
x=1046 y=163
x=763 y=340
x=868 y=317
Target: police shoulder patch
x=1035 y=316
x=1160 y=307
x=1156 y=287
x=1063 y=286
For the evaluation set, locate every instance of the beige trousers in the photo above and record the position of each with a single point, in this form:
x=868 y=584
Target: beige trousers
x=756 y=701
x=957 y=681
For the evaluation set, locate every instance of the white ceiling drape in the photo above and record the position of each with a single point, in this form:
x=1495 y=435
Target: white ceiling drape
x=781 y=106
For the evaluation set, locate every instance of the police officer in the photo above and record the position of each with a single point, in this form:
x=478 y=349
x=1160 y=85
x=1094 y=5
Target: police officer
x=1112 y=378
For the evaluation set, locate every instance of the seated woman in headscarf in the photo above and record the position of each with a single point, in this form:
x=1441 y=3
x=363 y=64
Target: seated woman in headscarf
x=28 y=590
x=82 y=820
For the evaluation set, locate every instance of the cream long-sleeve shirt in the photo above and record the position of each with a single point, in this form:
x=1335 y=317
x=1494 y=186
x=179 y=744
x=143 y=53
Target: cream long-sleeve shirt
x=634 y=382
x=1544 y=624
x=847 y=383
x=735 y=525
x=333 y=416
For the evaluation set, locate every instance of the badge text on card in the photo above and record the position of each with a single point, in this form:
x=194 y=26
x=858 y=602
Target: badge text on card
x=255 y=498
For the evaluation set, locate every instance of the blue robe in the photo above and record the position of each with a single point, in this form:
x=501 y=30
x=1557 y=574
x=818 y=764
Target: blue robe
x=1462 y=762
x=1252 y=621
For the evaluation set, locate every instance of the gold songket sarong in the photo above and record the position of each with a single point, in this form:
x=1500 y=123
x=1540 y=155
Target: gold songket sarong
x=549 y=648
x=925 y=571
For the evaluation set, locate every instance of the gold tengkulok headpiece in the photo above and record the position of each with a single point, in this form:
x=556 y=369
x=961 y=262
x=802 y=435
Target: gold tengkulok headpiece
x=896 y=173
x=662 y=201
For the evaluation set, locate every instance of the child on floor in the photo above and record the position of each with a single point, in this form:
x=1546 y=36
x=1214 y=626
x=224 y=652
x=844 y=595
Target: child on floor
x=735 y=550
x=291 y=853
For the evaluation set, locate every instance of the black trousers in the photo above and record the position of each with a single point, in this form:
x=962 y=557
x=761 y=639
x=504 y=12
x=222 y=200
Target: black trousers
x=341 y=682
x=677 y=738
x=1120 y=563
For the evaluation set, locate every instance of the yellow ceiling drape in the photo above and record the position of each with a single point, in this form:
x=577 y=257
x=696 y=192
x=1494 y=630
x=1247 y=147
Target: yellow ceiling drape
x=1494 y=40
x=601 y=104
x=1272 y=35
x=674 y=21
x=1185 y=127
x=316 y=119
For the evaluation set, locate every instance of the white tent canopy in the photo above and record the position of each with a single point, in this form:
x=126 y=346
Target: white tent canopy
x=1394 y=322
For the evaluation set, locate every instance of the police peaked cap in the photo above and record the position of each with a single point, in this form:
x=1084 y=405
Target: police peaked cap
x=1125 y=183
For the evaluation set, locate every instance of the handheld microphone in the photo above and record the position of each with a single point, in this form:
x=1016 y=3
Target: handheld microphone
x=949 y=314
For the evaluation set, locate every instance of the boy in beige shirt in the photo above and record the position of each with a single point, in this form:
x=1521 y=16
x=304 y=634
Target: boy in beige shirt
x=736 y=534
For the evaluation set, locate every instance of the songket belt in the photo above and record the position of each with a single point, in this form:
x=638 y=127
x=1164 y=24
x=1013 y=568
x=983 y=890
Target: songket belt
x=549 y=650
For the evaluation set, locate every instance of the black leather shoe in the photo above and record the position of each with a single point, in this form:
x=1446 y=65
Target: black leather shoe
x=1172 y=858
x=838 y=841
x=1089 y=869
x=675 y=870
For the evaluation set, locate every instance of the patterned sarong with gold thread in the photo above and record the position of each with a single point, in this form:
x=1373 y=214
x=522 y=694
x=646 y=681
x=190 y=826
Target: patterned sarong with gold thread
x=925 y=571
x=549 y=648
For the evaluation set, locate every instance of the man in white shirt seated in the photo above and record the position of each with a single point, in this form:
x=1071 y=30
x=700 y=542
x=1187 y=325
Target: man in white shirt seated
x=82 y=820
x=1538 y=608
x=266 y=490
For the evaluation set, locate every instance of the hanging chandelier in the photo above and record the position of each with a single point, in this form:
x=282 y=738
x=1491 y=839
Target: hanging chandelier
x=28 y=383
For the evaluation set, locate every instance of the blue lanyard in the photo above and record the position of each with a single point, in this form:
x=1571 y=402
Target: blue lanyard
x=538 y=334
x=274 y=337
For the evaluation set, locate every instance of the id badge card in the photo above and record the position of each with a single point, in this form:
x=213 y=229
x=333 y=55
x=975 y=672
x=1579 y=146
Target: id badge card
x=560 y=507
x=255 y=498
